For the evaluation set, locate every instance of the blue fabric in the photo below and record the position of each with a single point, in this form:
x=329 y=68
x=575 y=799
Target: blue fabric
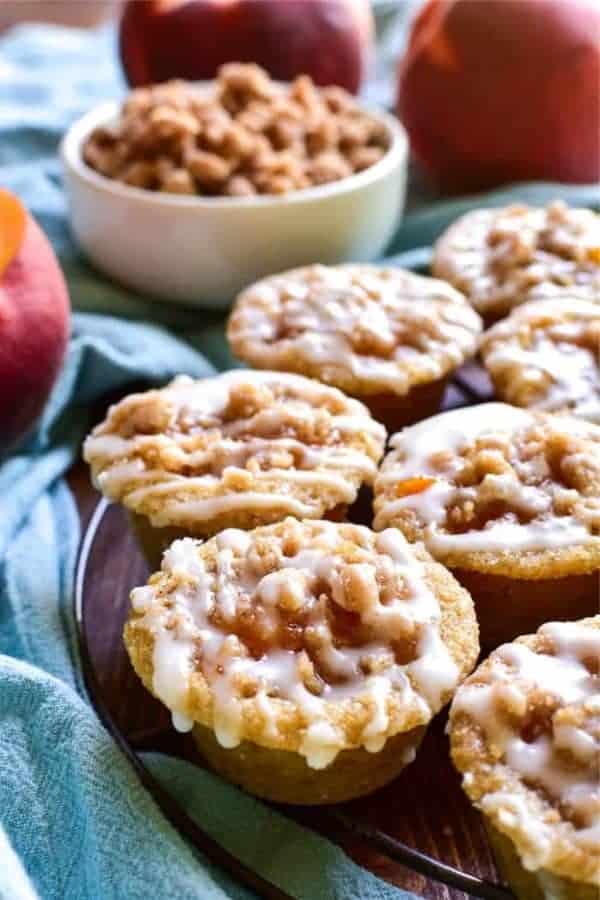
x=75 y=824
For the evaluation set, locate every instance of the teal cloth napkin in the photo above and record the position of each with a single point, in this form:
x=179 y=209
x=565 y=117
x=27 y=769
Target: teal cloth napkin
x=75 y=823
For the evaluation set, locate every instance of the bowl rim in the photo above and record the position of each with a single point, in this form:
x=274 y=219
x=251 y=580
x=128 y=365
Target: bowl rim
x=79 y=131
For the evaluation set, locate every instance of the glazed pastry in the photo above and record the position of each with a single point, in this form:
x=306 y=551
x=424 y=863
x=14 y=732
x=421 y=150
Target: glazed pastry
x=240 y=449
x=525 y=734
x=386 y=336
x=308 y=657
x=500 y=258
x=509 y=500
x=546 y=355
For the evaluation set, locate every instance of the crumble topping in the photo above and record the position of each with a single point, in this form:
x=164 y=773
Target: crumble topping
x=243 y=440
x=357 y=326
x=249 y=135
x=502 y=258
x=525 y=733
x=330 y=623
x=546 y=355
x=493 y=478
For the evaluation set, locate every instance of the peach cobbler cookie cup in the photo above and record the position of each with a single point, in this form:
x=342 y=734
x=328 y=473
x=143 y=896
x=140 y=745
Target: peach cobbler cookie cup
x=509 y=500
x=500 y=258
x=525 y=734
x=237 y=450
x=384 y=335
x=546 y=355
x=307 y=657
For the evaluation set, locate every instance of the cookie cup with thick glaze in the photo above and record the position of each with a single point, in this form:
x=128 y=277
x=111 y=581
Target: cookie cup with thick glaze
x=238 y=450
x=308 y=657
x=546 y=355
x=525 y=734
x=509 y=500
x=500 y=258
x=386 y=336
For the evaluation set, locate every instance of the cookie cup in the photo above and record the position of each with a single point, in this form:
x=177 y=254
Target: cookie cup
x=540 y=885
x=501 y=258
x=353 y=773
x=546 y=356
x=508 y=500
x=386 y=336
x=524 y=734
x=239 y=450
x=307 y=657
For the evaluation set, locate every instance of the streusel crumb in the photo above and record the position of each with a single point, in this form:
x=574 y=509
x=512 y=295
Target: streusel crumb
x=313 y=637
x=240 y=448
x=546 y=355
x=525 y=734
x=498 y=489
x=500 y=258
x=248 y=136
x=364 y=329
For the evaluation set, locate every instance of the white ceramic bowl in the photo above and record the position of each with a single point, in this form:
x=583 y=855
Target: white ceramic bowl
x=203 y=250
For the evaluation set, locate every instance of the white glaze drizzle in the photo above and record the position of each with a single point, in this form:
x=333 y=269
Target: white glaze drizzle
x=416 y=452
x=563 y=762
x=502 y=257
x=540 y=355
x=184 y=628
x=202 y=464
x=381 y=325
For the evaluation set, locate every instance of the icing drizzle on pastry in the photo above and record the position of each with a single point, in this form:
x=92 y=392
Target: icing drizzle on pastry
x=244 y=440
x=503 y=257
x=383 y=327
x=311 y=614
x=546 y=356
x=539 y=712
x=493 y=477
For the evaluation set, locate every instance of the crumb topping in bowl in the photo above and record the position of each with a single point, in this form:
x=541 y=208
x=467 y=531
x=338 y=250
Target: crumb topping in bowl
x=248 y=135
x=496 y=488
x=366 y=329
x=525 y=733
x=306 y=636
x=546 y=355
x=500 y=258
x=243 y=442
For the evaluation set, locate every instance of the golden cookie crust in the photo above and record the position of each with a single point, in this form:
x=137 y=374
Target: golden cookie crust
x=525 y=734
x=243 y=447
x=365 y=329
x=313 y=637
x=500 y=258
x=498 y=490
x=282 y=776
x=546 y=355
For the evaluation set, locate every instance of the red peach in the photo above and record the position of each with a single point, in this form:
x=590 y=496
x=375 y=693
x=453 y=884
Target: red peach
x=504 y=90
x=34 y=319
x=330 y=40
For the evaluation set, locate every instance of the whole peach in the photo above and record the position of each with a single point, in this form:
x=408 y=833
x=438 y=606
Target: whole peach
x=503 y=90
x=34 y=320
x=330 y=40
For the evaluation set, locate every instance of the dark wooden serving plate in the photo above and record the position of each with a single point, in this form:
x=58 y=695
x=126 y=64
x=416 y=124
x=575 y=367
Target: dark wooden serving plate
x=419 y=833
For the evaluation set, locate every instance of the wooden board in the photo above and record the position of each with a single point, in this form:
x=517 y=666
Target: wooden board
x=424 y=808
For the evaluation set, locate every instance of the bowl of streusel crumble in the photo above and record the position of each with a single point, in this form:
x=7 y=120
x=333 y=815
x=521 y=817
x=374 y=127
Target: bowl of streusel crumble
x=190 y=191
